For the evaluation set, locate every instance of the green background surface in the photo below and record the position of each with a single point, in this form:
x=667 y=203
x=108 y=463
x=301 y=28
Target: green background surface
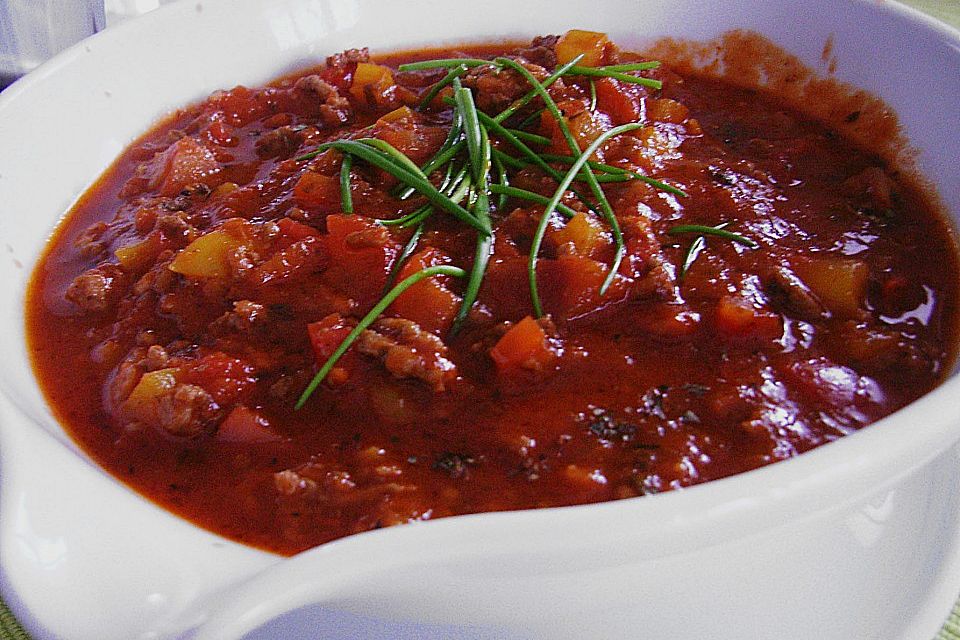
x=946 y=10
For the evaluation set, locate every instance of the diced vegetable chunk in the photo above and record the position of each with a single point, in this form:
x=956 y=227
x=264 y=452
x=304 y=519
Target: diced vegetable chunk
x=377 y=77
x=400 y=114
x=585 y=233
x=619 y=100
x=245 y=425
x=300 y=258
x=327 y=334
x=839 y=283
x=429 y=303
x=239 y=105
x=361 y=253
x=138 y=257
x=586 y=127
x=152 y=385
x=589 y=43
x=318 y=191
x=572 y=285
x=207 y=257
x=184 y=164
x=293 y=230
x=738 y=318
x=667 y=110
x=524 y=347
x=225 y=378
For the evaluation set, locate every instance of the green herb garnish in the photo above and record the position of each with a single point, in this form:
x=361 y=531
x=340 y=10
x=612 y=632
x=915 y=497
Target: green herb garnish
x=700 y=242
x=632 y=66
x=346 y=198
x=442 y=63
x=401 y=172
x=478 y=151
x=523 y=194
x=600 y=72
x=717 y=231
x=467 y=171
x=405 y=254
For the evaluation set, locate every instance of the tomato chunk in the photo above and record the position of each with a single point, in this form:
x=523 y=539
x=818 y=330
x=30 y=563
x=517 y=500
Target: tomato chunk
x=184 y=164
x=226 y=378
x=318 y=191
x=361 y=254
x=325 y=336
x=300 y=258
x=293 y=230
x=620 y=100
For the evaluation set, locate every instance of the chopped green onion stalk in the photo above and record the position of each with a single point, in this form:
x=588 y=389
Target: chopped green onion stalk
x=346 y=197
x=594 y=72
x=718 y=231
x=478 y=150
x=402 y=173
x=502 y=180
x=610 y=169
x=632 y=66
x=445 y=63
x=533 y=138
x=523 y=194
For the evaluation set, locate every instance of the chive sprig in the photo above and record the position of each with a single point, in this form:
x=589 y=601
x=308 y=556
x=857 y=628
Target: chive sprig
x=469 y=177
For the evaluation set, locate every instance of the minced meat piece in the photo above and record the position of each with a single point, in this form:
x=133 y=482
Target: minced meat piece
x=187 y=411
x=542 y=51
x=409 y=352
x=335 y=109
x=496 y=88
x=282 y=141
x=90 y=243
x=98 y=289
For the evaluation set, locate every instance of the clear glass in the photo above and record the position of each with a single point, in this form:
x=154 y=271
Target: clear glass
x=33 y=30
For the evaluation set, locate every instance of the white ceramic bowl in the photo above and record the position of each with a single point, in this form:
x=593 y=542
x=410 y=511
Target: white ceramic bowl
x=858 y=539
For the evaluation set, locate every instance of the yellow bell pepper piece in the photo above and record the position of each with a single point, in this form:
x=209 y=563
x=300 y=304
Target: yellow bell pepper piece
x=589 y=43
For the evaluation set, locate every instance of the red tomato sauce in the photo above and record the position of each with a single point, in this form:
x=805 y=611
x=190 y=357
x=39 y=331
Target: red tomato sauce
x=190 y=297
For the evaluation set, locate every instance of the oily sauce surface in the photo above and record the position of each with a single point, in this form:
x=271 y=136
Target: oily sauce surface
x=186 y=302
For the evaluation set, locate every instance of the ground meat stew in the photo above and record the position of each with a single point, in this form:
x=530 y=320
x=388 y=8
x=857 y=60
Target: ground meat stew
x=378 y=293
